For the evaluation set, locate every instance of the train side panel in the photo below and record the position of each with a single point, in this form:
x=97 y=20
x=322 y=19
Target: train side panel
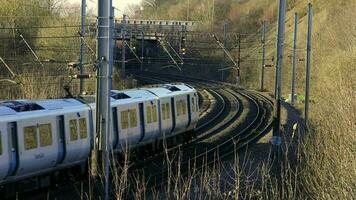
x=166 y=117
x=4 y=151
x=151 y=120
x=181 y=114
x=194 y=107
x=77 y=136
x=128 y=125
x=37 y=148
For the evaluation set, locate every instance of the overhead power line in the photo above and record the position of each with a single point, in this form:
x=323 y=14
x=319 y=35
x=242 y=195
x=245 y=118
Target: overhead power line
x=45 y=27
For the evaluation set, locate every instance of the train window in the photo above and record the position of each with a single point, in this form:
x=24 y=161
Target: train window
x=193 y=104
x=184 y=107
x=196 y=105
x=133 y=118
x=168 y=111
x=149 y=114
x=163 y=111
x=45 y=135
x=83 y=130
x=73 y=126
x=0 y=145
x=30 y=137
x=124 y=119
x=154 y=113
x=179 y=108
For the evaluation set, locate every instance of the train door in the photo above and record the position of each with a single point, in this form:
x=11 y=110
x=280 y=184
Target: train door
x=39 y=147
x=142 y=121
x=61 y=139
x=14 y=154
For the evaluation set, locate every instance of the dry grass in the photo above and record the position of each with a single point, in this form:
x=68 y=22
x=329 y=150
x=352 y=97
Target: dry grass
x=325 y=166
x=241 y=178
x=330 y=154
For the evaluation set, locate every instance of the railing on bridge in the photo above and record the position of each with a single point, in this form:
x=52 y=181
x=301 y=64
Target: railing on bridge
x=135 y=27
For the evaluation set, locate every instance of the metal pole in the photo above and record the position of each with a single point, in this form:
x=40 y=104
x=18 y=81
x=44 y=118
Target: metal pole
x=104 y=40
x=238 y=58
x=309 y=43
x=188 y=7
x=181 y=36
x=294 y=63
x=276 y=139
x=213 y=16
x=263 y=56
x=142 y=49
x=225 y=45
x=123 y=32
x=112 y=40
x=82 y=48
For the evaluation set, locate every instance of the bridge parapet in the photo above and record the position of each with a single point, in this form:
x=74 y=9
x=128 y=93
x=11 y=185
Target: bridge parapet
x=155 y=26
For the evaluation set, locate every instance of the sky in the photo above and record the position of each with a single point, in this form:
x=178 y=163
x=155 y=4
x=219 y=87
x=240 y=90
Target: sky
x=120 y=5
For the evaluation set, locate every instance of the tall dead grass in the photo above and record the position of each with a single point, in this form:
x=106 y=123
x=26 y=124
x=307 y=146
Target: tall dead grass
x=330 y=154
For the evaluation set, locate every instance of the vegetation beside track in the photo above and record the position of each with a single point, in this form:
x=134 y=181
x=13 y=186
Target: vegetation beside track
x=326 y=160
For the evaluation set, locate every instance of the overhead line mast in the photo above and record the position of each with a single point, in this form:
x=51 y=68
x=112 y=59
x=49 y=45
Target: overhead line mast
x=104 y=84
x=82 y=47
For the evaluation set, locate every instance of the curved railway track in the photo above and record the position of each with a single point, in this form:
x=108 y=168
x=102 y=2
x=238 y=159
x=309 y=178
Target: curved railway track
x=230 y=118
x=224 y=137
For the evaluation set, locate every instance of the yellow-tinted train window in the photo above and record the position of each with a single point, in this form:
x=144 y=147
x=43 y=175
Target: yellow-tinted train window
x=184 y=107
x=181 y=107
x=149 y=114
x=193 y=105
x=45 y=135
x=178 y=105
x=0 y=145
x=133 y=118
x=196 y=104
x=83 y=129
x=73 y=127
x=154 y=113
x=163 y=108
x=168 y=111
x=124 y=119
x=30 y=137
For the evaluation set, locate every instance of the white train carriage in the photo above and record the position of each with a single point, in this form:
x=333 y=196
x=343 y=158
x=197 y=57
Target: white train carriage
x=136 y=115
x=166 y=122
x=44 y=136
x=179 y=110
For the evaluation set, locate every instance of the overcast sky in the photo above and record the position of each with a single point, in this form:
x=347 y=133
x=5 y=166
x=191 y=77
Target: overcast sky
x=120 y=5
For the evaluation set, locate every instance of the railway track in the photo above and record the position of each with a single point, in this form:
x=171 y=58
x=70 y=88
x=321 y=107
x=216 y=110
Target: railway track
x=230 y=119
x=224 y=137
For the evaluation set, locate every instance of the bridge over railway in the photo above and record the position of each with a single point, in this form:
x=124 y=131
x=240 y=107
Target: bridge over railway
x=137 y=40
x=135 y=28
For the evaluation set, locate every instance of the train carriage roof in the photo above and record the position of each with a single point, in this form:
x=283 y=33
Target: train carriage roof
x=23 y=105
x=169 y=90
x=125 y=96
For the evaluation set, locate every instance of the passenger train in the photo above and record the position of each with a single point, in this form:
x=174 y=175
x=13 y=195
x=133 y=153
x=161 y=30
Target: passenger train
x=41 y=137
